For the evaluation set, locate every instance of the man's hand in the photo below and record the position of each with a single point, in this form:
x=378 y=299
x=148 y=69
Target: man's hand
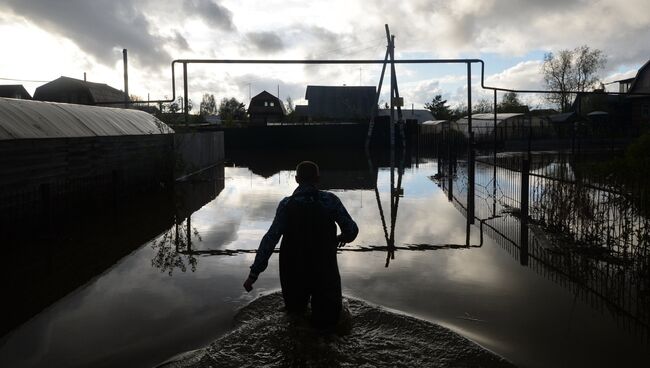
x=248 y=284
x=340 y=242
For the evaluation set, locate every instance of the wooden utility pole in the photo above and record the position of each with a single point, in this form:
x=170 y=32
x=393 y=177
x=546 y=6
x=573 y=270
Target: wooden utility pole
x=126 y=78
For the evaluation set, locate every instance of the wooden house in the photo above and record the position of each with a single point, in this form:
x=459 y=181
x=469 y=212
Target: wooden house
x=265 y=108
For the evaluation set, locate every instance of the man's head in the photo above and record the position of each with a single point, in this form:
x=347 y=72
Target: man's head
x=307 y=173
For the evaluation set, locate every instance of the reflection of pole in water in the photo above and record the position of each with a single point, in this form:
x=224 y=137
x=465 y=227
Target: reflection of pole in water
x=470 y=179
x=523 y=239
x=377 y=197
x=189 y=234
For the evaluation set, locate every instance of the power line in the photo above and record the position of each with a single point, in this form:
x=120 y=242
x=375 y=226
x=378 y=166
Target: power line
x=24 y=80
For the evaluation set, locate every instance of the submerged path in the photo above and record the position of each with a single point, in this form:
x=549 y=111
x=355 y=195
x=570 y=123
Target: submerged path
x=265 y=336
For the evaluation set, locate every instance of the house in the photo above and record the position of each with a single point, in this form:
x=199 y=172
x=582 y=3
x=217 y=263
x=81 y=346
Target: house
x=14 y=91
x=626 y=109
x=340 y=103
x=75 y=91
x=301 y=113
x=639 y=105
x=265 y=108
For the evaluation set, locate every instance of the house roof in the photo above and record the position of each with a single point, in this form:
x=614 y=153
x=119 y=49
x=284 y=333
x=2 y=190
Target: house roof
x=490 y=116
x=563 y=117
x=266 y=96
x=11 y=90
x=435 y=122
x=642 y=70
x=23 y=119
x=340 y=102
x=99 y=92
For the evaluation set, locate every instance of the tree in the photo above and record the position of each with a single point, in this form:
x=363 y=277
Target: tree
x=483 y=106
x=459 y=111
x=439 y=108
x=510 y=103
x=571 y=70
x=181 y=105
x=208 y=106
x=231 y=109
x=173 y=107
x=290 y=106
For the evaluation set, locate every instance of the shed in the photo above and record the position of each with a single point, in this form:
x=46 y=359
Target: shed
x=341 y=103
x=437 y=126
x=265 y=108
x=54 y=156
x=509 y=126
x=14 y=91
x=71 y=90
x=23 y=119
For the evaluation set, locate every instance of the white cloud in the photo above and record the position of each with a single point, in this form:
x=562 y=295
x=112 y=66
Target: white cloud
x=90 y=36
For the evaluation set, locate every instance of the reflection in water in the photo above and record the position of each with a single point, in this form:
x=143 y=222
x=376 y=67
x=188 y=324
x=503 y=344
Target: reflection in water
x=173 y=248
x=472 y=287
x=170 y=248
x=585 y=237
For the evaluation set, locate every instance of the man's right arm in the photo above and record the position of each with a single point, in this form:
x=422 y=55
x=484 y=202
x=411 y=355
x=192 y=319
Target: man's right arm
x=270 y=240
x=349 y=229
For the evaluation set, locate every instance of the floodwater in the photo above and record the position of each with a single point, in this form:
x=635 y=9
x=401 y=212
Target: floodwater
x=178 y=286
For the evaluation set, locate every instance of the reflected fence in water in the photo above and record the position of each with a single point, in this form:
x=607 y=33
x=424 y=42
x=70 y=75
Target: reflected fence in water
x=573 y=227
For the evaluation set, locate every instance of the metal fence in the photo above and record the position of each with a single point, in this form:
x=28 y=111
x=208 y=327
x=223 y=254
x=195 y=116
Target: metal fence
x=554 y=215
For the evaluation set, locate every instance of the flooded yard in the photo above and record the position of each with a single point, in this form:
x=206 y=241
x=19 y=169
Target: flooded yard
x=179 y=288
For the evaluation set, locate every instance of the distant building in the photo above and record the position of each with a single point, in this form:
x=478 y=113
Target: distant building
x=265 y=108
x=14 y=91
x=301 y=113
x=640 y=105
x=420 y=115
x=508 y=126
x=75 y=91
x=340 y=103
x=637 y=108
x=212 y=119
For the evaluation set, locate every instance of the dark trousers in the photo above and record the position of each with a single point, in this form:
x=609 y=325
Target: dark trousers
x=319 y=281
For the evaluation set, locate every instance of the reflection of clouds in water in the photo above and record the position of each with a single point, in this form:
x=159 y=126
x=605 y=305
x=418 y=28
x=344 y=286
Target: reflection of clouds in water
x=243 y=211
x=221 y=233
x=414 y=223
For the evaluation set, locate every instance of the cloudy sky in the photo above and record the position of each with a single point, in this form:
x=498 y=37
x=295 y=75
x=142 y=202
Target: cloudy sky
x=44 y=39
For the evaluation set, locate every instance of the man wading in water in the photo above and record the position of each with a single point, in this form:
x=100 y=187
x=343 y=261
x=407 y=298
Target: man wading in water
x=307 y=223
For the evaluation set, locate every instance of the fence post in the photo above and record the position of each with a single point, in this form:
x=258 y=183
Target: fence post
x=470 y=179
x=523 y=239
x=185 y=95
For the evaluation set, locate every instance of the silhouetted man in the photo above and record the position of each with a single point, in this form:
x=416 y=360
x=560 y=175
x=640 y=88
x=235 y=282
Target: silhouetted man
x=308 y=269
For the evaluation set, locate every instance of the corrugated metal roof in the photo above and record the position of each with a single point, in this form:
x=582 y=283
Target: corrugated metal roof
x=23 y=119
x=490 y=116
x=483 y=124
